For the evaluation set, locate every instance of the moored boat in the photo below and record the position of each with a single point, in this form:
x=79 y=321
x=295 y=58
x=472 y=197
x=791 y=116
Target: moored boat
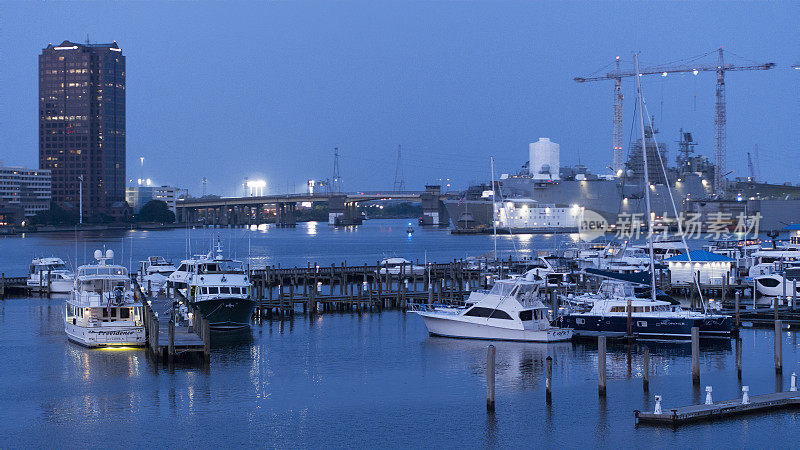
x=50 y=274
x=218 y=288
x=102 y=309
x=510 y=311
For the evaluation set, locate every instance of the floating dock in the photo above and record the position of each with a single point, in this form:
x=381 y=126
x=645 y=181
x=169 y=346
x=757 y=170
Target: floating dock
x=720 y=410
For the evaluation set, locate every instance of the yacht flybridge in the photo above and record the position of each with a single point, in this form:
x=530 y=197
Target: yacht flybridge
x=510 y=311
x=217 y=287
x=102 y=310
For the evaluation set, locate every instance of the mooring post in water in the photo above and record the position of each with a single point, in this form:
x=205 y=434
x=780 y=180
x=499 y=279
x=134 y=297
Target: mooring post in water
x=490 y=378
x=601 y=366
x=696 y=355
x=739 y=358
x=171 y=344
x=549 y=378
x=738 y=318
x=646 y=370
x=778 y=347
x=206 y=340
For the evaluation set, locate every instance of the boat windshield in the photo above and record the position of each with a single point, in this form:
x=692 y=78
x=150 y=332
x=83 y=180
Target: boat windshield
x=517 y=289
x=54 y=266
x=616 y=289
x=219 y=267
x=92 y=271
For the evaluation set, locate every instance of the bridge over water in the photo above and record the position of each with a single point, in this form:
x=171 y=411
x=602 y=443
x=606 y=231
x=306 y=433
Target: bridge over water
x=342 y=206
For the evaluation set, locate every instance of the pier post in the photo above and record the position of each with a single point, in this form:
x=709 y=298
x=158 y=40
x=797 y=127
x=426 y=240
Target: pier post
x=549 y=378
x=206 y=340
x=695 y=355
x=794 y=292
x=490 y=354
x=628 y=308
x=646 y=370
x=171 y=343
x=738 y=318
x=778 y=347
x=601 y=366
x=739 y=358
x=49 y=287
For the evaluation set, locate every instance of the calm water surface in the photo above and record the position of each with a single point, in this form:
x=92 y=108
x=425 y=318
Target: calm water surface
x=349 y=379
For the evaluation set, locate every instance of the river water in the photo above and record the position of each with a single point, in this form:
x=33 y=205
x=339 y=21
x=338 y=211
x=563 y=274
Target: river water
x=350 y=379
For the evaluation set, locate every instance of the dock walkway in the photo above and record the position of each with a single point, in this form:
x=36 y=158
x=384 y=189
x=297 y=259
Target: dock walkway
x=686 y=414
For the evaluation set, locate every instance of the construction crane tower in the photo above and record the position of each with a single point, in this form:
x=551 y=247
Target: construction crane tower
x=720 y=117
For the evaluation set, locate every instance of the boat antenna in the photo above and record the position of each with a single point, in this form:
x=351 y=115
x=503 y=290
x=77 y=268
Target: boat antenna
x=646 y=183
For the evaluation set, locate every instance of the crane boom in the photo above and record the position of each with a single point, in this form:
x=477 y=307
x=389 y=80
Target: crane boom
x=720 y=119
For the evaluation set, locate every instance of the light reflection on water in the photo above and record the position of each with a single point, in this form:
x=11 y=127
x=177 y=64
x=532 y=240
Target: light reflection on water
x=345 y=379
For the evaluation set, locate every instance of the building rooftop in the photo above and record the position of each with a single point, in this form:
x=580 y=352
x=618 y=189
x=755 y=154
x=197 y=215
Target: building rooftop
x=699 y=256
x=68 y=44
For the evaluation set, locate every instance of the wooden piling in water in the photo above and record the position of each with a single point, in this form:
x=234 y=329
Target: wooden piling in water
x=696 y=355
x=739 y=358
x=778 y=347
x=601 y=366
x=549 y=378
x=646 y=370
x=490 y=360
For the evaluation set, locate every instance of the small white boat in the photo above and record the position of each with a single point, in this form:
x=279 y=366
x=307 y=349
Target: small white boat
x=52 y=269
x=102 y=310
x=154 y=272
x=395 y=265
x=510 y=311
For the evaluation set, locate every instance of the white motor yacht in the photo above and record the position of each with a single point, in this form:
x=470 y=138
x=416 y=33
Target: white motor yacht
x=154 y=272
x=52 y=269
x=509 y=311
x=395 y=265
x=102 y=310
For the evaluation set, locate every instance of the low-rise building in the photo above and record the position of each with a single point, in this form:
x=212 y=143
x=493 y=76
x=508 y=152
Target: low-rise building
x=27 y=188
x=138 y=196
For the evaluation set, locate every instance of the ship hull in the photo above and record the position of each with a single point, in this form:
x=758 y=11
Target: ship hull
x=226 y=313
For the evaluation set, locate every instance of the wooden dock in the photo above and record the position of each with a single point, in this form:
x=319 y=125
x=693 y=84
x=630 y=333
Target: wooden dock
x=169 y=336
x=278 y=291
x=694 y=413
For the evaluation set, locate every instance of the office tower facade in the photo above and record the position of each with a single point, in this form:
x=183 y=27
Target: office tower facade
x=82 y=124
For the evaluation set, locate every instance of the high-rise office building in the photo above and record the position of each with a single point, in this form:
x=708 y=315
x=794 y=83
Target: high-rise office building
x=82 y=123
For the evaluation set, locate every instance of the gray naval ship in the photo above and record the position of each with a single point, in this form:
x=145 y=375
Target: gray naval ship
x=543 y=188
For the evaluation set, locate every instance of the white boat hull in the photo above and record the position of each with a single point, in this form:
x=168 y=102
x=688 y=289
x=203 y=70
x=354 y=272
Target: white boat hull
x=106 y=336
x=440 y=325
x=772 y=286
x=56 y=286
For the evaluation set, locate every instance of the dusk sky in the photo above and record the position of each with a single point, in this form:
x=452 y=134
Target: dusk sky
x=229 y=90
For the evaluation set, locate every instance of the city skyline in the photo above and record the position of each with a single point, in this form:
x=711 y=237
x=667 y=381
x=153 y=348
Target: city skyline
x=440 y=80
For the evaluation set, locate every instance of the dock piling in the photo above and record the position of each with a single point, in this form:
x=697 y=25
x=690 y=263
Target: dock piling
x=696 y=355
x=601 y=366
x=549 y=378
x=646 y=370
x=490 y=356
x=778 y=347
x=739 y=358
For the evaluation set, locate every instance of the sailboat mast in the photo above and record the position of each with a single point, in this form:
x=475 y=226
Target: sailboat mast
x=646 y=183
x=494 y=208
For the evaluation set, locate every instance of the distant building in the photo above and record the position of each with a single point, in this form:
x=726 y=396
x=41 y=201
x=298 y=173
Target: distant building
x=28 y=189
x=82 y=123
x=138 y=196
